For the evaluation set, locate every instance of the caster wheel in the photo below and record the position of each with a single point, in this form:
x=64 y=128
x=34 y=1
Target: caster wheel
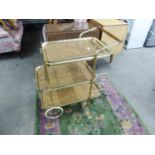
x=53 y=113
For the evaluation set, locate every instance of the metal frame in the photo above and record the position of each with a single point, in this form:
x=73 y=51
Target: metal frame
x=99 y=54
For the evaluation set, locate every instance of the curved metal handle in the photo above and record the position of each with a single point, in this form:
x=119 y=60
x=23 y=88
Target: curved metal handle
x=108 y=46
x=84 y=32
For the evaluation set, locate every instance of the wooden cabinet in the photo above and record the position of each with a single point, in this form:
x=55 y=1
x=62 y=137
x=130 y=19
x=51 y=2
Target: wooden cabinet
x=68 y=31
x=116 y=27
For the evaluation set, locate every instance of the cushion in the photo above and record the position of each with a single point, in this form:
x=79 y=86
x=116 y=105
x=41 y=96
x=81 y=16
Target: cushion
x=3 y=33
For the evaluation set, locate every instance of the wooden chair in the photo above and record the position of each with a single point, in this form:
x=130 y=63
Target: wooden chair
x=11 y=22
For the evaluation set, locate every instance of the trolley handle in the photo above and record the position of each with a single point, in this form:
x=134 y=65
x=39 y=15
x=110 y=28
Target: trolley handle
x=84 y=32
x=118 y=41
x=106 y=47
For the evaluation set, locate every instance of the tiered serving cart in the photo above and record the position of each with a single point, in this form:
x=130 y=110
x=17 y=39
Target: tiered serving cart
x=65 y=77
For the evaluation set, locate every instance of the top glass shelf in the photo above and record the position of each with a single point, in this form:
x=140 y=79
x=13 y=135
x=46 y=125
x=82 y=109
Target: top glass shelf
x=64 y=51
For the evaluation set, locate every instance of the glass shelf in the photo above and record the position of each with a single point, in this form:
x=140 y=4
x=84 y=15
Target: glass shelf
x=56 y=52
x=68 y=96
x=63 y=75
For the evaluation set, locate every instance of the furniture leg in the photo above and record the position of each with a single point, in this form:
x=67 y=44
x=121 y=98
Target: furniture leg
x=93 y=76
x=111 y=58
x=20 y=54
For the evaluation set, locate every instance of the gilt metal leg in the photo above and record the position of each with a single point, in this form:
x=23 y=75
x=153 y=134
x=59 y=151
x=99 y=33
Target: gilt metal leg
x=92 y=80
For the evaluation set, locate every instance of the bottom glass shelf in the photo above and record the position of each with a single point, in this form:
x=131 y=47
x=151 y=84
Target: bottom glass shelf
x=67 y=96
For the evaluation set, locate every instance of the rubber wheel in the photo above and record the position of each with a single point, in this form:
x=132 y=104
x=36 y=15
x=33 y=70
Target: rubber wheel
x=53 y=113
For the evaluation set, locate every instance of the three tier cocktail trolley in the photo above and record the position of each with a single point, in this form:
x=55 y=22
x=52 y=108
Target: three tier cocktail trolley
x=65 y=77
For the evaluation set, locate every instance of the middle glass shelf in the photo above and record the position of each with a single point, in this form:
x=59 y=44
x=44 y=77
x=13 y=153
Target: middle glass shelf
x=64 y=75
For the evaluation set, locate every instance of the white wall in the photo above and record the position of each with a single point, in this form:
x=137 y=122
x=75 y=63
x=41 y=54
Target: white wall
x=138 y=30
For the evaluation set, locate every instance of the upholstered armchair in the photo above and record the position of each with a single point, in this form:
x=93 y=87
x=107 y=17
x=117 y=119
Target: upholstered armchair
x=10 y=40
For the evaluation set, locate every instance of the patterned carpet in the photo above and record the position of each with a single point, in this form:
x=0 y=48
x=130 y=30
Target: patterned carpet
x=110 y=114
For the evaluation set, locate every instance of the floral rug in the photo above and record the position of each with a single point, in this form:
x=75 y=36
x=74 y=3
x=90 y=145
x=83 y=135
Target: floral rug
x=110 y=114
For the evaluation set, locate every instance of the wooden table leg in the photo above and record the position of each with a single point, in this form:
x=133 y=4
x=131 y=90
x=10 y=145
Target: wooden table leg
x=111 y=58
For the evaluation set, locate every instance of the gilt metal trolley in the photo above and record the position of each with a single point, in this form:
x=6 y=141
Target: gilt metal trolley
x=65 y=77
